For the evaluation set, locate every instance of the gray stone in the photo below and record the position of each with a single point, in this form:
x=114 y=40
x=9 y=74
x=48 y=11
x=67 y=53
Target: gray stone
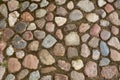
x=44 y=3
x=94 y=42
x=10 y=77
x=117 y=4
x=33 y=6
x=104 y=49
x=40 y=13
x=24 y=5
x=20 y=27
x=9 y=50
x=95 y=54
x=75 y=15
x=77 y=76
x=61 y=11
x=35 y=75
x=3 y=24
x=4 y=10
x=18 y=42
x=72 y=52
x=86 y=5
x=101 y=13
x=39 y=34
x=104 y=62
x=49 y=41
x=85 y=37
x=105 y=35
x=40 y=23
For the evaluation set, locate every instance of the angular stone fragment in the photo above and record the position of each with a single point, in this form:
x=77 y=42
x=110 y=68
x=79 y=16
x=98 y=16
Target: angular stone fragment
x=26 y=16
x=72 y=52
x=60 y=21
x=4 y=10
x=77 y=64
x=94 y=42
x=13 y=5
x=64 y=65
x=33 y=46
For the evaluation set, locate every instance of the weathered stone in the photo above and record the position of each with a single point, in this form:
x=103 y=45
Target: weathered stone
x=39 y=34
x=85 y=51
x=77 y=64
x=33 y=46
x=77 y=76
x=26 y=16
x=114 y=55
x=104 y=62
x=35 y=75
x=48 y=69
x=60 y=21
x=22 y=74
x=60 y=77
x=72 y=52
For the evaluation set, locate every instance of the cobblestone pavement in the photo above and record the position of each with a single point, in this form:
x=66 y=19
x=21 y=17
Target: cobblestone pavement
x=59 y=40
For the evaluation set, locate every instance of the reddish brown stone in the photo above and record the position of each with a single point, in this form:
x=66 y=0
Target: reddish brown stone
x=7 y=34
x=13 y=65
x=51 y=7
x=26 y=16
x=59 y=50
x=30 y=61
x=109 y=8
x=49 y=16
x=59 y=34
x=28 y=35
x=48 y=69
x=2 y=45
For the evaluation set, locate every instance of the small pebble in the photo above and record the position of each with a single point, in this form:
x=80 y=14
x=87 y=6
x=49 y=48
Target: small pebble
x=77 y=64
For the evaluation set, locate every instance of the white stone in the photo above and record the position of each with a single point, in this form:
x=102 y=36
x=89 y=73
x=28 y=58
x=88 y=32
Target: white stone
x=95 y=54
x=85 y=51
x=101 y=3
x=114 y=42
x=72 y=39
x=31 y=26
x=70 y=5
x=13 y=18
x=86 y=5
x=10 y=77
x=77 y=64
x=92 y=17
x=35 y=75
x=20 y=54
x=9 y=50
x=60 y=21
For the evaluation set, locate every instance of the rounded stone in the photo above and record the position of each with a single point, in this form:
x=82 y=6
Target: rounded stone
x=77 y=64
x=91 y=69
x=13 y=65
x=35 y=75
x=108 y=72
x=30 y=61
x=114 y=55
x=86 y=5
x=95 y=54
x=39 y=34
x=45 y=57
x=50 y=27
x=75 y=15
x=31 y=26
x=104 y=62
x=18 y=42
x=77 y=76
x=60 y=21
x=92 y=17
x=104 y=48
x=60 y=2
x=33 y=46
x=40 y=13
x=28 y=35
x=49 y=41
x=72 y=52
x=20 y=54
x=105 y=35
x=26 y=16
x=72 y=39
x=10 y=50
x=20 y=27
x=59 y=49
x=13 y=5
x=85 y=51
x=70 y=5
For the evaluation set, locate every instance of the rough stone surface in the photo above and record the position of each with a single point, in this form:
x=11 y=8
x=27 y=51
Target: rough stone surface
x=77 y=76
